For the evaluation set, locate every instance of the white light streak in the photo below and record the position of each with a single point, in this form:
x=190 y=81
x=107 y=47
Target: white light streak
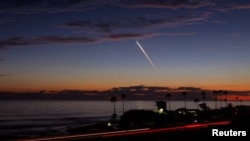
x=150 y=61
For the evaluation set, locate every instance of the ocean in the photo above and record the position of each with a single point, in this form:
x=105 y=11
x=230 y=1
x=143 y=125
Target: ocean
x=32 y=118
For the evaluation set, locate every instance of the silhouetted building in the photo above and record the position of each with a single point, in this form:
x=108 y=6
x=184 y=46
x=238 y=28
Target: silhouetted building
x=161 y=106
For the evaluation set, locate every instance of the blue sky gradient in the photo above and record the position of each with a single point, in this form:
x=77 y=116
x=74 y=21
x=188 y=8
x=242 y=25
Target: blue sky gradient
x=77 y=44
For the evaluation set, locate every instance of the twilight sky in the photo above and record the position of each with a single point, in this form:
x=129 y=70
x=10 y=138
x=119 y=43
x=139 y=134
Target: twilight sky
x=90 y=44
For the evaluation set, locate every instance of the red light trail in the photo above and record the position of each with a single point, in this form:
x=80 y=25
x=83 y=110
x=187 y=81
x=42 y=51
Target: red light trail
x=130 y=132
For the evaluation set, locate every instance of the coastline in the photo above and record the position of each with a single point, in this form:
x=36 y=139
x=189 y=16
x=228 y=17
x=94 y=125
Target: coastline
x=179 y=133
x=199 y=130
x=35 y=125
x=51 y=127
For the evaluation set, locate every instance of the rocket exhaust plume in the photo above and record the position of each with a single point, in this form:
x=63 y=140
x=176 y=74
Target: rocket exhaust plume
x=149 y=60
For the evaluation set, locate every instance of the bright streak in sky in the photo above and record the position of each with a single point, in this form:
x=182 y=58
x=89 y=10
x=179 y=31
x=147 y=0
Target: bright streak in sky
x=84 y=45
x=150 y=61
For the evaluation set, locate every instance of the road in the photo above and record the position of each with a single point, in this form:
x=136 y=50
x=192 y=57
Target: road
x=129 y=133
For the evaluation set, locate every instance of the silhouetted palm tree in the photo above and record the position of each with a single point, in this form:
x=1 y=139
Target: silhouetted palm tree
x=225 y=102
x=240 y=102
x=225 y=93
x=168 y=95
x=237 y=100
x=184 y=95
x=123 y=96
x=196 y=100
x=220 y=93
x=113 y=100
x=215 y=93
x=203 y=96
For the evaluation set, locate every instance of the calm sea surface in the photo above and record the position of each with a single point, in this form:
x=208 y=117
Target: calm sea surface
x=46 y=117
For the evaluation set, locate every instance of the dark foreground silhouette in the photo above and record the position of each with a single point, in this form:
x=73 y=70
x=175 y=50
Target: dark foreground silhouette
x=239 y=121
x=239 y=118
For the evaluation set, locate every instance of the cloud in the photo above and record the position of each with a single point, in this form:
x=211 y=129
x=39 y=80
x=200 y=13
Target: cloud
x=169 y=4
x=4 y=20
x=235 y=6
x=59 y=6
x=129 y=36
x=47 y=6
x=240 y=6
x=62 y=39
x=104 y=29
x=179 y=34
x=189 y=89
x=134 y=27
x=21 y=41
x=4 y=75
x=135 y=23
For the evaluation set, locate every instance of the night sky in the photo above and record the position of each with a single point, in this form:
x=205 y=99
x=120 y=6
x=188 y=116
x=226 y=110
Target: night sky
x=91 y=44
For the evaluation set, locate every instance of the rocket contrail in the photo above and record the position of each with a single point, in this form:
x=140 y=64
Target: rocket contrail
x=150 y=61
